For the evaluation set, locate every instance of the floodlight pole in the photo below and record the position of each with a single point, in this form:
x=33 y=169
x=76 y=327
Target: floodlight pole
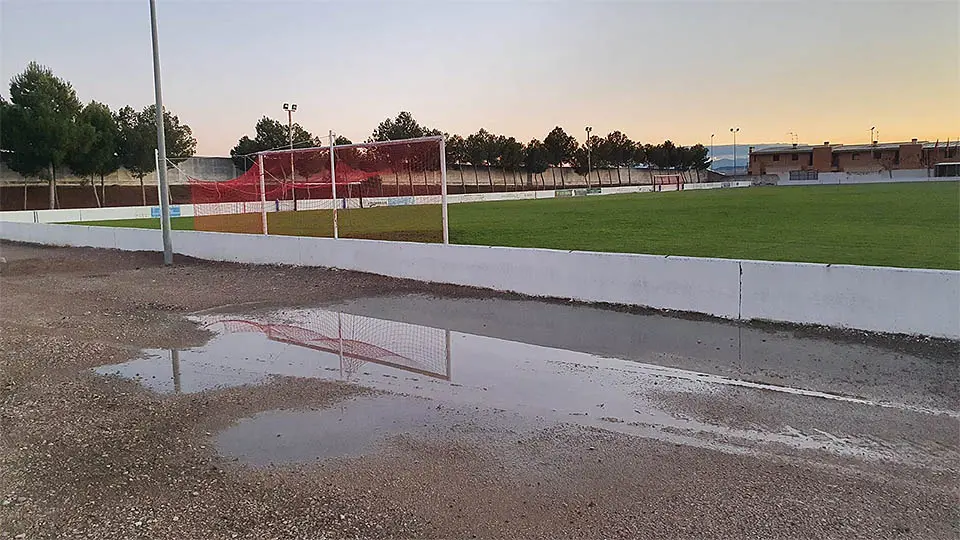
x=734 y=131
x=161 y=143
x=711 y=150
x=333 y=183
x=291 y=108
x=587 y=144
x=443 y=190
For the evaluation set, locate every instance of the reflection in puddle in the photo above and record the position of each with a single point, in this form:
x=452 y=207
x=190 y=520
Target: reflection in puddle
x=466 y=372
x=348 y=428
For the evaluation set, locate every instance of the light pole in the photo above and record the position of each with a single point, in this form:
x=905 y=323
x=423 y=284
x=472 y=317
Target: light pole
x=161 y=143
x=589 y=129
x=711 y=150
x=291 y=108
x=734 y=130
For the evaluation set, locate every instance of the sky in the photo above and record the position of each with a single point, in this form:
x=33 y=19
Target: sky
x=678 y=70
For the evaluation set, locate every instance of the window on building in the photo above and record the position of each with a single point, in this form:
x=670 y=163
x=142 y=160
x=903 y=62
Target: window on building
x=854 y=156
x=877 y=154
x=835 y=160
x=795 y=157
x=776 y=157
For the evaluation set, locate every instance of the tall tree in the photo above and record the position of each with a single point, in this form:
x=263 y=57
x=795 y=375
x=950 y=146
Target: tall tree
x=271 y=134
x=536 y=159
x=481 y=150
x=138 y=141
x=456 y=153
x=403 y=127
x=620 y=150
x=39 y=124
x=560 y=149
x=97 y=147
x=509 y=156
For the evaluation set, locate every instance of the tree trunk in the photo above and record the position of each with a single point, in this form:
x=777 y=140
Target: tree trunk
x=24 y=193
x=410 y=178
x=463 y=186
x=103 y=193
x=619 y=179
x=95 y=195
x=553 y=173
x=490 y=179
x=563 y=182
x=56 y=200
x=629 y=179
x=143 y=191
x=476 y=176
x=396 y=178
x=53 y=189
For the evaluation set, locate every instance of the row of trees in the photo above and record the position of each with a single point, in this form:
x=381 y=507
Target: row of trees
x=558 y=149
x=45 y=128
x=485 y=149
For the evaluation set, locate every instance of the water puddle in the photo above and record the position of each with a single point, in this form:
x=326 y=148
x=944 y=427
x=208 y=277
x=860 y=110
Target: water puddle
x=468 y=372
x=349 y=428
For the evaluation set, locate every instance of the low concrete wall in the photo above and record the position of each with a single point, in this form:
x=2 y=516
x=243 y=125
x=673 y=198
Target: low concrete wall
x=185 y=210
x=884 y=177
x=877 y=299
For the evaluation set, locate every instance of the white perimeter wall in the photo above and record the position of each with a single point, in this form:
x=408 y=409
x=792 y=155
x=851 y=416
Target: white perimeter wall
x=868 y=298
x=186 y=210
x=883 y=177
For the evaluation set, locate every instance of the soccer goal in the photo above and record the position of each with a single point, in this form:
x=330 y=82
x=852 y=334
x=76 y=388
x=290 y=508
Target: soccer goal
x=358 y=340
x=393 y=190
x=668 y=182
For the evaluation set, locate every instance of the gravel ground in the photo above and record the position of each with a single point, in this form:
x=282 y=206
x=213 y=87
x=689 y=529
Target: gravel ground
x=86 y=456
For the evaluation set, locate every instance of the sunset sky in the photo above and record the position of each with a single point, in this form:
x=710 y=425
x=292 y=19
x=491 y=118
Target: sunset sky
x=655 y=70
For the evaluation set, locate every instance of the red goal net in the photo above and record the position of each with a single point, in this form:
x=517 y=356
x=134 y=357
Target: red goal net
x=303 y=192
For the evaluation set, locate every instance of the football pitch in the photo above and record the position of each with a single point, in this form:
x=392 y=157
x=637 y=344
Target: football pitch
x=906 y=225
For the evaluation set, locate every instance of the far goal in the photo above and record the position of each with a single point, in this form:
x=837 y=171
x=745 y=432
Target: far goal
x=668 y=182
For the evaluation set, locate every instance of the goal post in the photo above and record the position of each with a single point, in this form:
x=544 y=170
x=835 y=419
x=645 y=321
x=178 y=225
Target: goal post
x=668 y=182
x=390 y=190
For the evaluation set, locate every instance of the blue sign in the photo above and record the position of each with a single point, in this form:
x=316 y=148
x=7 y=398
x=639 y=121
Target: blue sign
x=174 y=211
x=399 y=201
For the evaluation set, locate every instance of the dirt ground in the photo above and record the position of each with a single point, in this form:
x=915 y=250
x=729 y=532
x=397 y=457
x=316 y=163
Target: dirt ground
x=87 y=456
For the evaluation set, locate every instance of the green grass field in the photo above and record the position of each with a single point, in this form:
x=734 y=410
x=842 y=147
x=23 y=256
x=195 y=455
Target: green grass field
x=908 y=225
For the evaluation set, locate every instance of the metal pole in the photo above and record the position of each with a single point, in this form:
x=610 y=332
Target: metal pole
x=711 y=151
x=263 y=195
x=333 y=182
x=443 y=190
x=161 y=143
x=156 y=164
x=292 y=175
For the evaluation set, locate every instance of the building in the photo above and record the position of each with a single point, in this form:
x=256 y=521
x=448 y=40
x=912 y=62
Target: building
x=797 y=159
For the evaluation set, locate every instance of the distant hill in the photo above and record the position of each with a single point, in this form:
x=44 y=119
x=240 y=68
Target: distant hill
x=723 y=154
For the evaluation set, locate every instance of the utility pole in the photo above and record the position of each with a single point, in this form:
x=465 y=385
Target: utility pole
x=161 y=143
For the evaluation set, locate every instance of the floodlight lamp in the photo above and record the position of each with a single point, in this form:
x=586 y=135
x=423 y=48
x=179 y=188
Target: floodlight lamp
x=293 y=107
x=286 y=106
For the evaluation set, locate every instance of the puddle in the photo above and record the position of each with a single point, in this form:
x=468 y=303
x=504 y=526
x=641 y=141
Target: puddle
x=350 y=428
x=469 y=372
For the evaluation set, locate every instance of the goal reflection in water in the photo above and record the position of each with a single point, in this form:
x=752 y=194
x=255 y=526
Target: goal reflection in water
x=347 y=344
